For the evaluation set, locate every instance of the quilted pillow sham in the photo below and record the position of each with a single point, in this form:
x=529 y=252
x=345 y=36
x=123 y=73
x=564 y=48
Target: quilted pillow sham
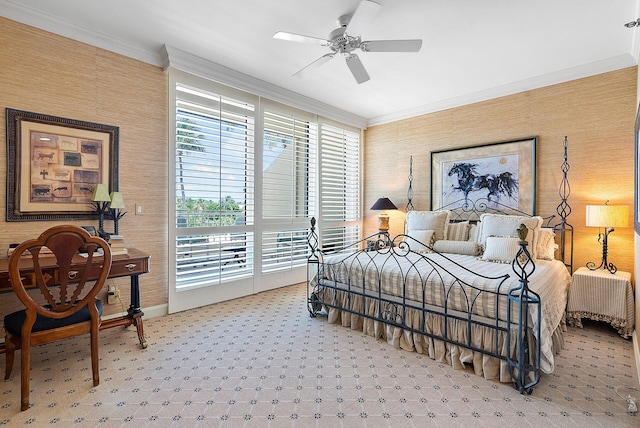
x=507 y=225
x=500 y=249
x=437 y=221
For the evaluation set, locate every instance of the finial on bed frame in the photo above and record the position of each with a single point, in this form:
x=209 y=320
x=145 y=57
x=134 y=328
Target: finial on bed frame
x=522 y=233
x=410 y=190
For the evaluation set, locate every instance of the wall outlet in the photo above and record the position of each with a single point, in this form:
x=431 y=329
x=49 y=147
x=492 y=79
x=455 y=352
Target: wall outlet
x=113 y=295
x=139 y=210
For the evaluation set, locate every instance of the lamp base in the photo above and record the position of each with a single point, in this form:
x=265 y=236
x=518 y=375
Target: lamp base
x=383 y=223
x=604 y=264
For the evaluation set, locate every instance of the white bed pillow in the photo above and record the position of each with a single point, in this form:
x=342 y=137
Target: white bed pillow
x=428 y=220
x=458 y=231
x=473 y=231
x=507 y=225
x=500 y=249
x=546 y=246
x=468 y=248
x=423 y=237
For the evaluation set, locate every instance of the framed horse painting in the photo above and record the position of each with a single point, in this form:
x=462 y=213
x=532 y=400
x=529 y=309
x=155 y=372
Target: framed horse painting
x=497 y=176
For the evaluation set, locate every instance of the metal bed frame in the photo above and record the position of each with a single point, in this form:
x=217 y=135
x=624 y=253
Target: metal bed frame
x=517 y=325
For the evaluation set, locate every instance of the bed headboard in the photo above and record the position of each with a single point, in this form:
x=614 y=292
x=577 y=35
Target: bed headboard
x=471 y=210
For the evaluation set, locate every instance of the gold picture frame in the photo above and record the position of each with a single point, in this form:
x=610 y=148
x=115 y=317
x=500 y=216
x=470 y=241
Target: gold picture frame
x=499 y=176
x=54 y=164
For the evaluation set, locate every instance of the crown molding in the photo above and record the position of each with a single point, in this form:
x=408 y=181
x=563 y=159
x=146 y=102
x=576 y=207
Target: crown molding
x=566 y=75
x=181 y=60
x=29 y=16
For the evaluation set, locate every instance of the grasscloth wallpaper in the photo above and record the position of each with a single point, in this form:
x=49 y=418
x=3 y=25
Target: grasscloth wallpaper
x=49 y=74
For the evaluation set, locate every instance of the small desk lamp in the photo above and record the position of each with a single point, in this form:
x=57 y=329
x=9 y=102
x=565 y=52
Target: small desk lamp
x=607 y=217
x=383 y=204
x=100 y=201
x=115 y=210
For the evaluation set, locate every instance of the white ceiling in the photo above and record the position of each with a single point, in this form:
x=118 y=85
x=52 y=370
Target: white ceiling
x=472 y=50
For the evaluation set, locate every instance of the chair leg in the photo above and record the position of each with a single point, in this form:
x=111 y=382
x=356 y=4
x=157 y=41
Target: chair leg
x=9 y=354
x=25 y=369
x=94 y=355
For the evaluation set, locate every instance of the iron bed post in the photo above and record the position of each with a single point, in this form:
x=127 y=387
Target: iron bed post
x=525 y=375
x=313 y=305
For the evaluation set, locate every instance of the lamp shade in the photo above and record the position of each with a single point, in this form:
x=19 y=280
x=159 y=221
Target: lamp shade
x=384 y=204
x=607 y=215
x=101 y=193
x=117 y=201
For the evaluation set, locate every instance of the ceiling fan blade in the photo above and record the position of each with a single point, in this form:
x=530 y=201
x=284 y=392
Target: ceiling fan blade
x=357 y=69
x=283 y=35
x=364 y=13
x=413 y=45
x=315 y=64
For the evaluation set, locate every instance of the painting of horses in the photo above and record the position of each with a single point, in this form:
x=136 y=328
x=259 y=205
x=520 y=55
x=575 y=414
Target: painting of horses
x=497 y=176
x=494 y=178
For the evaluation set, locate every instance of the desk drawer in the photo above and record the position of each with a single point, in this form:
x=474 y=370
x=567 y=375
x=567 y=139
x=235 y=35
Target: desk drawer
x=29 y=280
x=125 y=267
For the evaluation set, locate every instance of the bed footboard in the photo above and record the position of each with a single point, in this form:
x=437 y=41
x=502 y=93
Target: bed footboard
x=509 y=335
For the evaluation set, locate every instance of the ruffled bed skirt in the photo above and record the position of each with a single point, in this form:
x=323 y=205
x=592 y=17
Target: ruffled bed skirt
x=457 y=356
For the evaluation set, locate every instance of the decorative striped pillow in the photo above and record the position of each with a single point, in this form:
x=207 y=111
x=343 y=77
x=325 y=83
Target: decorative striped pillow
x=458 y=231
x=500 y=249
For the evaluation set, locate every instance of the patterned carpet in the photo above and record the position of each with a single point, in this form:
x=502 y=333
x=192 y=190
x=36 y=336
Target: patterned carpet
x=262 y=361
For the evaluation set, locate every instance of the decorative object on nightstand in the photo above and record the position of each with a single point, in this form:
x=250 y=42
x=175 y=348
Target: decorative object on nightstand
x=383 y=204
x=608 y=217
x=100 y=201
x=601 y=296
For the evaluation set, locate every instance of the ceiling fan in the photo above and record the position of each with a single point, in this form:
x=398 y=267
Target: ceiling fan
x=342 y=41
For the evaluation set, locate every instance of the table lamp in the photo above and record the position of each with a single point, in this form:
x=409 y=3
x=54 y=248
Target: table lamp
x=608 y=217
x=115 y=210
x=100 y=200
x=383 y=204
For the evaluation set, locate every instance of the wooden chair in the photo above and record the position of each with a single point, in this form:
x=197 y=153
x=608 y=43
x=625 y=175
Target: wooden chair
x=70 y=306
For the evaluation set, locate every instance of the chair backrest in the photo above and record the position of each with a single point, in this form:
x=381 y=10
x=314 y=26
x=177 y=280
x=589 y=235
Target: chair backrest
x=79 y=279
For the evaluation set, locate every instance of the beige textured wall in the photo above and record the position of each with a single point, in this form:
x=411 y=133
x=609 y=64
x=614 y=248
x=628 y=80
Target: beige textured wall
x=596 y=113
x=49 y=74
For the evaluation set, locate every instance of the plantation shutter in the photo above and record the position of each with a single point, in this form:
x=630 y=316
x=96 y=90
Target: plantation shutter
x=214 y=188
x=340 y=186
x=288 y=186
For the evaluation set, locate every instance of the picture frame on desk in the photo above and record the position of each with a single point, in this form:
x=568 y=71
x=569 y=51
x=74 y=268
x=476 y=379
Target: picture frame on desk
x=54 y=165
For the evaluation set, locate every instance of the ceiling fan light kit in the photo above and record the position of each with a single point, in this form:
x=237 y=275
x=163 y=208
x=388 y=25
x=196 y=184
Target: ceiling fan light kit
x=342 y=42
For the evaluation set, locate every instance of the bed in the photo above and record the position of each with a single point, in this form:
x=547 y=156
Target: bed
x=486 y=293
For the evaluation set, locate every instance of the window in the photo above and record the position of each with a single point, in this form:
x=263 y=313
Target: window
x=340 y=186
x=289 y=186
x=214 y=187
x=246 y=176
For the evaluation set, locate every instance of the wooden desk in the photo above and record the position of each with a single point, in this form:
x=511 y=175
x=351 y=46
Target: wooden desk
x=132 y=265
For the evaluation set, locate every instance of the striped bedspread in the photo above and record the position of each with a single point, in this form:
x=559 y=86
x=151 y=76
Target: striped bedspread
x=462 y=283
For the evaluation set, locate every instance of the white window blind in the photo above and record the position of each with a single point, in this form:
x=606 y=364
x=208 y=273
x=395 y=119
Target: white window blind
x=340 y=187
x=289 y=187
x=214 y=187
x=289 y=173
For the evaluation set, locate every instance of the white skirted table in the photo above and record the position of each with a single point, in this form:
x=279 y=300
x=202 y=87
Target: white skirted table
x=602 y=296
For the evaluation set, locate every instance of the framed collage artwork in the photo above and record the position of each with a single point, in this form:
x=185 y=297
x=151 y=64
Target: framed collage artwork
x=54 y=165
